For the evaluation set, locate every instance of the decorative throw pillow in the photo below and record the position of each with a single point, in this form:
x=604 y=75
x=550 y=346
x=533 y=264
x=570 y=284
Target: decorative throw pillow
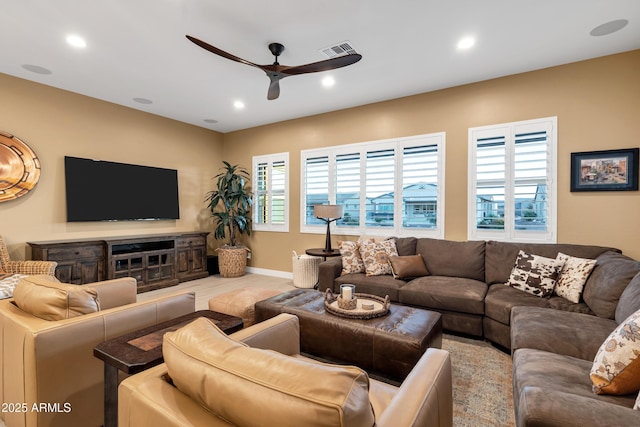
x=535 y=274
x=351 y=259
x=573 y=276
x=408 y=266
x=268 y=388
x=48 y=299
x=375 y=256
x=616 y=367
x=636 y=405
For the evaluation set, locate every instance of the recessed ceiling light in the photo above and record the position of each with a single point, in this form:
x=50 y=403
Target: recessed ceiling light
x=143 y=100
x=238 y=105
x=328 y=81
x=212 y=121
x=466 y=42
x=76 y=41
x=609 y=27
x=36 y=69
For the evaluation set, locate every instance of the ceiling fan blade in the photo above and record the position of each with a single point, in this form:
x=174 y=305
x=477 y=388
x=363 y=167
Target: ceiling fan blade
x=274 y=88
x=221 y=52
x=329 y=64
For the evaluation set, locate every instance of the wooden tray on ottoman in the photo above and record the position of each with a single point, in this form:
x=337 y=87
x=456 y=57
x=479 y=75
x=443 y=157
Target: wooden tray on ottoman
x=380 y=306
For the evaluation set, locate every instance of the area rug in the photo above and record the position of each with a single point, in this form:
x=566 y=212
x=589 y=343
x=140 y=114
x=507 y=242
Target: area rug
x=482 y=390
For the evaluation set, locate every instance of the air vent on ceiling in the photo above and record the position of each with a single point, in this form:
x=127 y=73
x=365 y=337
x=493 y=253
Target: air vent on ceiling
x=340 y=49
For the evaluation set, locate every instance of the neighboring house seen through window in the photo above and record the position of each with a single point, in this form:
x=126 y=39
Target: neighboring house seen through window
x=390 y=187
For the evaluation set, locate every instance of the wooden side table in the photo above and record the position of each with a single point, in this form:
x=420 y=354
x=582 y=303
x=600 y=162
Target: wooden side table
x=139 y=350
x=322 y=253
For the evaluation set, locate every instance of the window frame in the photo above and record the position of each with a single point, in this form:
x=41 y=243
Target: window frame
x=509 y=131
x=362 y=148
x=270 y=159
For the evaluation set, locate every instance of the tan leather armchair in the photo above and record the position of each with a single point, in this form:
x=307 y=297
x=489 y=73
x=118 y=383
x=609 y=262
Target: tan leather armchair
x=24 y=267
x=149 y=399
x=48 y=372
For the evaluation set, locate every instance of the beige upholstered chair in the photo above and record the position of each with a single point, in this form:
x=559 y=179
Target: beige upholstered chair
x=221 y=381
x=52 y=362
x=24 y=267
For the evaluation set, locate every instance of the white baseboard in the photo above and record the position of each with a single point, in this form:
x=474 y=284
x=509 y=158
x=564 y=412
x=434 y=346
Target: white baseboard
x=273 y=273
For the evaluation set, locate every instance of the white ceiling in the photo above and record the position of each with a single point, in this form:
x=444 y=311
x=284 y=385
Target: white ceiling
x=138 y=49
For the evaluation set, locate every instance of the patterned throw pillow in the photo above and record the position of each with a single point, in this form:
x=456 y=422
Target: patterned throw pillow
x=375 y=256
x=616 y=367
x=351 y=259
x=535 y=274
x=573 y=276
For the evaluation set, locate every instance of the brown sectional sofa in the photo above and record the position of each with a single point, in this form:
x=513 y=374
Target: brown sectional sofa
x=466 y=282
x=553 y=340
x=553 y=352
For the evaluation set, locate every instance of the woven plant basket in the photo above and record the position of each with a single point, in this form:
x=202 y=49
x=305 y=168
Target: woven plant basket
x=232 y=261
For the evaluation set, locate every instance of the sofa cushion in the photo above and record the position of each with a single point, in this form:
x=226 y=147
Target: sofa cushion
x=351 y=259
x=535 y=274
x=408 y=266
x=574 y=274
x=443 y=257
x=375 y=256
x=406 y=245
x=500 y=256
x=375 y=285
x=616 y=367
x=455 y=294
x=501 y=299
x=48 y=299
x=267 y=387
x=629 y=301
x=559 y=375
x=570 y=334
x=612 y=273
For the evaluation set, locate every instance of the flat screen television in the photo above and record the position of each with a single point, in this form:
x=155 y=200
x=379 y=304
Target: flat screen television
x=107 y=191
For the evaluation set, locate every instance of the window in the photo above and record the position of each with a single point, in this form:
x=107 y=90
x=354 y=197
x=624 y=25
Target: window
x=386 y=187
x=512 y=181
x=271 y=192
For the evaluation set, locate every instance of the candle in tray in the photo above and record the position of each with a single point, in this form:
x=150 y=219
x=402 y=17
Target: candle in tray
x=347 y=291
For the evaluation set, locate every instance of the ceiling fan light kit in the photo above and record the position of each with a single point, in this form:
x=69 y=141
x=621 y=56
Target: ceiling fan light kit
x=277 y=72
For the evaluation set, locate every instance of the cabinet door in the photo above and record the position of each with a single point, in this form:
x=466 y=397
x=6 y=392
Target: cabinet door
x=89 y=270
x=198 y=259
x=65 y=271
x=183 y=263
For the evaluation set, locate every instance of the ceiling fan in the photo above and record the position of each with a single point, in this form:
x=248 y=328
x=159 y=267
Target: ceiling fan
x=277 y=72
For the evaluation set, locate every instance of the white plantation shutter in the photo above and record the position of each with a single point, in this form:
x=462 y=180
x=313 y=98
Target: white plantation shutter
x=391 y=185
x=379 y=186
x=420 y=185
x=490 y=182
x=531 y=171
x=315 y=186
x=512 y=181
x=347 y=178
x=271 y=189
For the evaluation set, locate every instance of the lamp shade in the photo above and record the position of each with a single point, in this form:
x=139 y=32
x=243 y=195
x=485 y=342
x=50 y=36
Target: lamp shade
x=328 y=211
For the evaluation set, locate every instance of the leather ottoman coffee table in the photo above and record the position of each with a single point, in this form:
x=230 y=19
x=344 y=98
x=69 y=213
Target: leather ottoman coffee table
x=389 y=345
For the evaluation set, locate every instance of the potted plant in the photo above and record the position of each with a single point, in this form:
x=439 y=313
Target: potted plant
x=230 y=205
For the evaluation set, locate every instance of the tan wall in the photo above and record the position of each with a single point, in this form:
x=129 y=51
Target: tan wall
x=597 y=103
x=55 y=123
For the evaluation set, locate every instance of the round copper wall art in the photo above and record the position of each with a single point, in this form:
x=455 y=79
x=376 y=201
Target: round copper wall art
x=19 y=167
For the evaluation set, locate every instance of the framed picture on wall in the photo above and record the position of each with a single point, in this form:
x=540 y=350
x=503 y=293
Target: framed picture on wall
x=608 y=170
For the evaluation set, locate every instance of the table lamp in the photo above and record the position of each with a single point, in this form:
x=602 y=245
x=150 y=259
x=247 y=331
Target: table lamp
x=328 y=214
